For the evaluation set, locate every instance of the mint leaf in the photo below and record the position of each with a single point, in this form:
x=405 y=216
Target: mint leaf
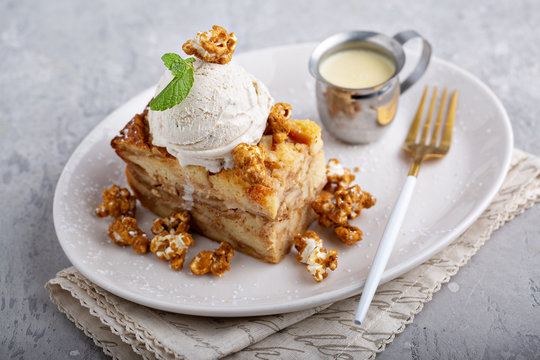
x=179 y=87
x=173 y=94
x=170 y=58
x=178 y=68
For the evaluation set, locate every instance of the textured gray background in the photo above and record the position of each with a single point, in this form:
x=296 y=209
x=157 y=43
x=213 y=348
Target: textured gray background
x=64 y=65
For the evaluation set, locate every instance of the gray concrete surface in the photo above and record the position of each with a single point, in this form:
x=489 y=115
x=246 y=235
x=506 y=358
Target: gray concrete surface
x=66 y=64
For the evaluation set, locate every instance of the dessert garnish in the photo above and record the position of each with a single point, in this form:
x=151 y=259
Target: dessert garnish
x=172 y=247
x=348 y=234
x=216 y=262
x=339 y=202
x=126 y=232
x=171 y=240
x=117 y=203
x=249 y=160
x=214 y=46
x=173 y=224
x=179 y=87
x=311 y=252
x=338 y=177
x=278 y=122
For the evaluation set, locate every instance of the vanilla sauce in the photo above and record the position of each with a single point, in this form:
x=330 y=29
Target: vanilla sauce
x=357 y=68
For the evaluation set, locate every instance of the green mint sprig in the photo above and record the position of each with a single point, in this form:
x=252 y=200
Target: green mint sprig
x=178 y=89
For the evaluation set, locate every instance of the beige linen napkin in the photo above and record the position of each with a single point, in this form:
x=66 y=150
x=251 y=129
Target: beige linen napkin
x=126 y=330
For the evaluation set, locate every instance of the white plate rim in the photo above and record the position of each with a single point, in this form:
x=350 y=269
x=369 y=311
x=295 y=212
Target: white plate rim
x=315 y=300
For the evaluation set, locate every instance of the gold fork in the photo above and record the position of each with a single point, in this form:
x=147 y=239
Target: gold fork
x=438 y=146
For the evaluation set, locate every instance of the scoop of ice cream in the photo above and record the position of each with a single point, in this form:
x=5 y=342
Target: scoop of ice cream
x=226 y=106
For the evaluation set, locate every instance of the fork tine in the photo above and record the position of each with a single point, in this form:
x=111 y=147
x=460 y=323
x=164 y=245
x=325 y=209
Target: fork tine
x=449 y=126
x=436 y=131
x=415 y=126
x=427 y=125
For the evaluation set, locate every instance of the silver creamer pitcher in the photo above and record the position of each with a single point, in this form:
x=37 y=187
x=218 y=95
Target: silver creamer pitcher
x=360 y=116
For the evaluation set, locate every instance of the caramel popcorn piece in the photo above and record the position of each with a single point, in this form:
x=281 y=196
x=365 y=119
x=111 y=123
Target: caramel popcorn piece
x=338 y=177
x=249 y=160
x=174 y=224
x=338 y=202
x=348 y=234
x=279 y=122
x=311 y=253
x=200 y=264
x=351 y=201
x=323 y=205
x=343 y=205
x=117 y=203
x=172 y=247
x=126 y=232
x=221 y=259
x=216 y=262
x=214 y=46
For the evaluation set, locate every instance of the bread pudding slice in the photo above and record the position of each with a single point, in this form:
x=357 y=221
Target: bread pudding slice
x=259 y=219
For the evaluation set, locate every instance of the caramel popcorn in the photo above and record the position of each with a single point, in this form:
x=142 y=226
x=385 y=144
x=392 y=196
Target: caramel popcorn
x=311 y=253
x=338 y=202
x=221 y=259
x=249 y=160
x=172 y=247
x=126 y=232
x=338 y=177
x=215 y=46
x=323 y=205
x=200 y=264
x=348 y=234
x=351 y=201
x=343 y=205
x=117 y=203
x=279 y=122
x=216 y=262
x=174 y=224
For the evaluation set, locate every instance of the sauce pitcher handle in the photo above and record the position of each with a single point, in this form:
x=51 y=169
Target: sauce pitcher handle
x=423 y=62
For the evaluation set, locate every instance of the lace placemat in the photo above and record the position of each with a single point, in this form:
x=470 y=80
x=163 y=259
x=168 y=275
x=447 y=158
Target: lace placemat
x=125 y=330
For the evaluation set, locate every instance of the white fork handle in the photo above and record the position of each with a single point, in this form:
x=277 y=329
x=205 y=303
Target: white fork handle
x=385 y=248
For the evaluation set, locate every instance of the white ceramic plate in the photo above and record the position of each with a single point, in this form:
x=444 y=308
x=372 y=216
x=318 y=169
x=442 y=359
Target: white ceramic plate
x=450 y=194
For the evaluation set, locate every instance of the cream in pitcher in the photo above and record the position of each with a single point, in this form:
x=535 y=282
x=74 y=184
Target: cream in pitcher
x=357 y=86
x=357 y=68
